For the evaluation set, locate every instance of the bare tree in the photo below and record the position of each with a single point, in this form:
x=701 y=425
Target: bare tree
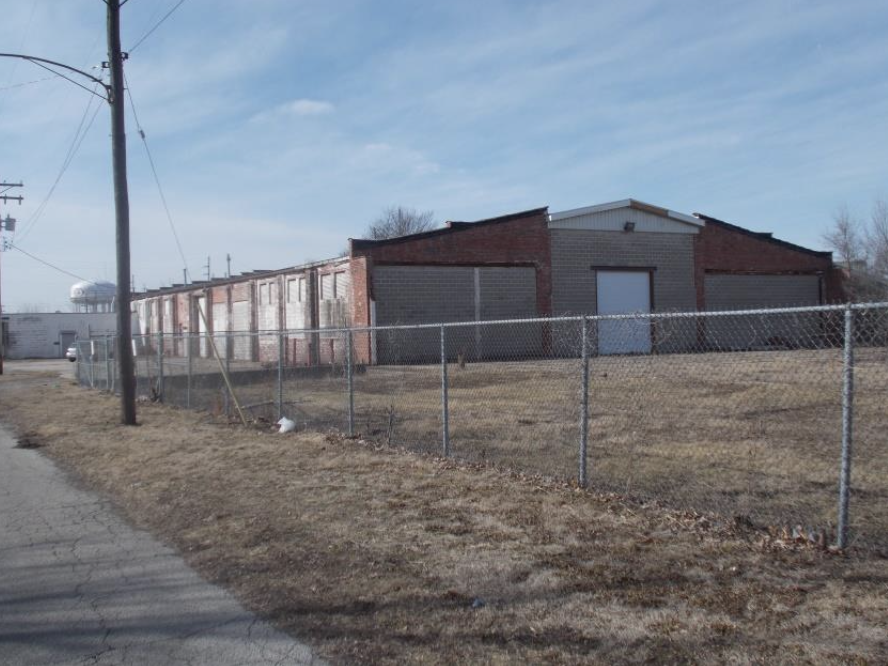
x=863 y=251
x=845 y=236
x=877 y=238
x=398 y=221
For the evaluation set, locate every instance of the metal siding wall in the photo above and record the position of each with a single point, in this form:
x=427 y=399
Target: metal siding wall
x=508 y=293
x=613 y=220
x=739 y=292
x=432 y=294
x=736 y=292
x=423 y=294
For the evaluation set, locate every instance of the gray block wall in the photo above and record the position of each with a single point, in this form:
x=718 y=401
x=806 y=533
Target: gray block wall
x=574 y=251
x=574 y=286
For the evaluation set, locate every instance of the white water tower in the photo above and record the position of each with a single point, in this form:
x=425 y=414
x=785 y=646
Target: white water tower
x=93 y=296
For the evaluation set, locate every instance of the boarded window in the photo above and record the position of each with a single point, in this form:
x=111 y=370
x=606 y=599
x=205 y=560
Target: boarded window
x=340 y=285
x=328 y=287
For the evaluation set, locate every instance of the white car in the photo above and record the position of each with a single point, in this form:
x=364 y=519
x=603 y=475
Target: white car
x=71 y=353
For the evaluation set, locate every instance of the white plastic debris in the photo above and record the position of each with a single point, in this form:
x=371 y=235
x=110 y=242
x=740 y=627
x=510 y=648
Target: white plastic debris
x=286 y=425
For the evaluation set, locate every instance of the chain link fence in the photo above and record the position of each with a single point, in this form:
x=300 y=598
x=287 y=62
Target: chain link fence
x=779 y=417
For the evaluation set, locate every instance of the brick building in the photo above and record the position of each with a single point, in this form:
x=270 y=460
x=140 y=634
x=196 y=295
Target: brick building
x=625 y=256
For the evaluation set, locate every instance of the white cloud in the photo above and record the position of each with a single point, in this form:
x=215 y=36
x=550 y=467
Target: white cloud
x=309 y=107
x=296 y=107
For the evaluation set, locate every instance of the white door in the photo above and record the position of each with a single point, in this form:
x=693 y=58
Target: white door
x=201 y=314
x=624 y=292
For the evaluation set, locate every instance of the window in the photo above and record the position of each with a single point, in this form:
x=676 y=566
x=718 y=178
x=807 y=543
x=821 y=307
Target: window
x=263 y=294
x=328 y=287
x=340 y=285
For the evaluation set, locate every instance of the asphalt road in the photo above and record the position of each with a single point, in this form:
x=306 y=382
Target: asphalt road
x=80 y=586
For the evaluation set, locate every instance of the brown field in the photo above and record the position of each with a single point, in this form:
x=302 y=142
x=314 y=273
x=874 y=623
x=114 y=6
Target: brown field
x=374 y=555
x=752 y=434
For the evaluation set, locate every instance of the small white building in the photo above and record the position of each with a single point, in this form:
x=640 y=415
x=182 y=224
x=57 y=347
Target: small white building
x=49 y=334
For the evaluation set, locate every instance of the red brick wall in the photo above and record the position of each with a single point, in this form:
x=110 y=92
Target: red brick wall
x=519 y=240
x=721 y=248
x=360 y=306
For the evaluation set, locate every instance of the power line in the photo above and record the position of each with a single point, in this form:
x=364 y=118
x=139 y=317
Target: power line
x=46 y=263
x=79 y=136
x=25 y=34
x=163 y=199
x=156 y=26
x=27 y=83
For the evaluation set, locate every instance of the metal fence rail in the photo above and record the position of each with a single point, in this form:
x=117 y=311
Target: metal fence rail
x=776 y=416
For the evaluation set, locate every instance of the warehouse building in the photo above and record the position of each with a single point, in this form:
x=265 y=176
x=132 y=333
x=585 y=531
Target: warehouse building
x=619 y=257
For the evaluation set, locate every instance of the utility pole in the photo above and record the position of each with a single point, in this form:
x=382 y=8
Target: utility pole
x=228 y=265
x=114 y=95
x=209 y=276
x=9 y=225
x=121 y=208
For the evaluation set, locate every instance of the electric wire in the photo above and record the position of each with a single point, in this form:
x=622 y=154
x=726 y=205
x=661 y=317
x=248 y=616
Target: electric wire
x=163 y=198
x=26 y=83
x=76 y=142
x=156 y=26
x=22 y=41
x=46 y=263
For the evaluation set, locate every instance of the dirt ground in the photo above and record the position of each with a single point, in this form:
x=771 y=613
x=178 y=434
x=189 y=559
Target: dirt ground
x=377 y=555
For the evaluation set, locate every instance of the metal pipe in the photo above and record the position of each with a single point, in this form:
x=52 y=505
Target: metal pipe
x=160 y=366
x=189 y=352
x=280 y=377
x=847 y=428
x=349 y=374
x=583 y=479
x=445 y=405
x=595 y=318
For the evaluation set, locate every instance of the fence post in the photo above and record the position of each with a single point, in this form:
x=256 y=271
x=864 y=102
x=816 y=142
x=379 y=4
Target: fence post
x=847 y=427
x=92 y=363
x=230 y=342
x=160 y=366
x=445 y=405
x=350 y=378
x=113 y=342
x=189 y=353
x=107 y=365
x=583 y=479
x=280 y=377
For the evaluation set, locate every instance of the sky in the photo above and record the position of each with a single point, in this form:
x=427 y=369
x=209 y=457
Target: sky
x=280 y=128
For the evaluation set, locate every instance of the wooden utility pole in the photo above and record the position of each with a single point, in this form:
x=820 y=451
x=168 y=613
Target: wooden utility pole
x=121 y=208
x=5 y=198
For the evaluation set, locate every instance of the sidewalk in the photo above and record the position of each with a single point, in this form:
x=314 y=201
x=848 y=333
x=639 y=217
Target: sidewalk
x=79 y=586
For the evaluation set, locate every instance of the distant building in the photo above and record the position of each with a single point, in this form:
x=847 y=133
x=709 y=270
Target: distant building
x=49 y=334
x=624 y=256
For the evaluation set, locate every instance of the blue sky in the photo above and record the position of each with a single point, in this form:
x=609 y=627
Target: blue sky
x=282 y=127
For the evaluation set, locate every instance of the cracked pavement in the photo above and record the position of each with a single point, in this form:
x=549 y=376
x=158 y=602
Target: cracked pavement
x=78 y=585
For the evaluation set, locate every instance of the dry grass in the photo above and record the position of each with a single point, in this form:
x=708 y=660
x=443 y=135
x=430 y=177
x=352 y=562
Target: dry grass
x=752 y=434
x=375 y=556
